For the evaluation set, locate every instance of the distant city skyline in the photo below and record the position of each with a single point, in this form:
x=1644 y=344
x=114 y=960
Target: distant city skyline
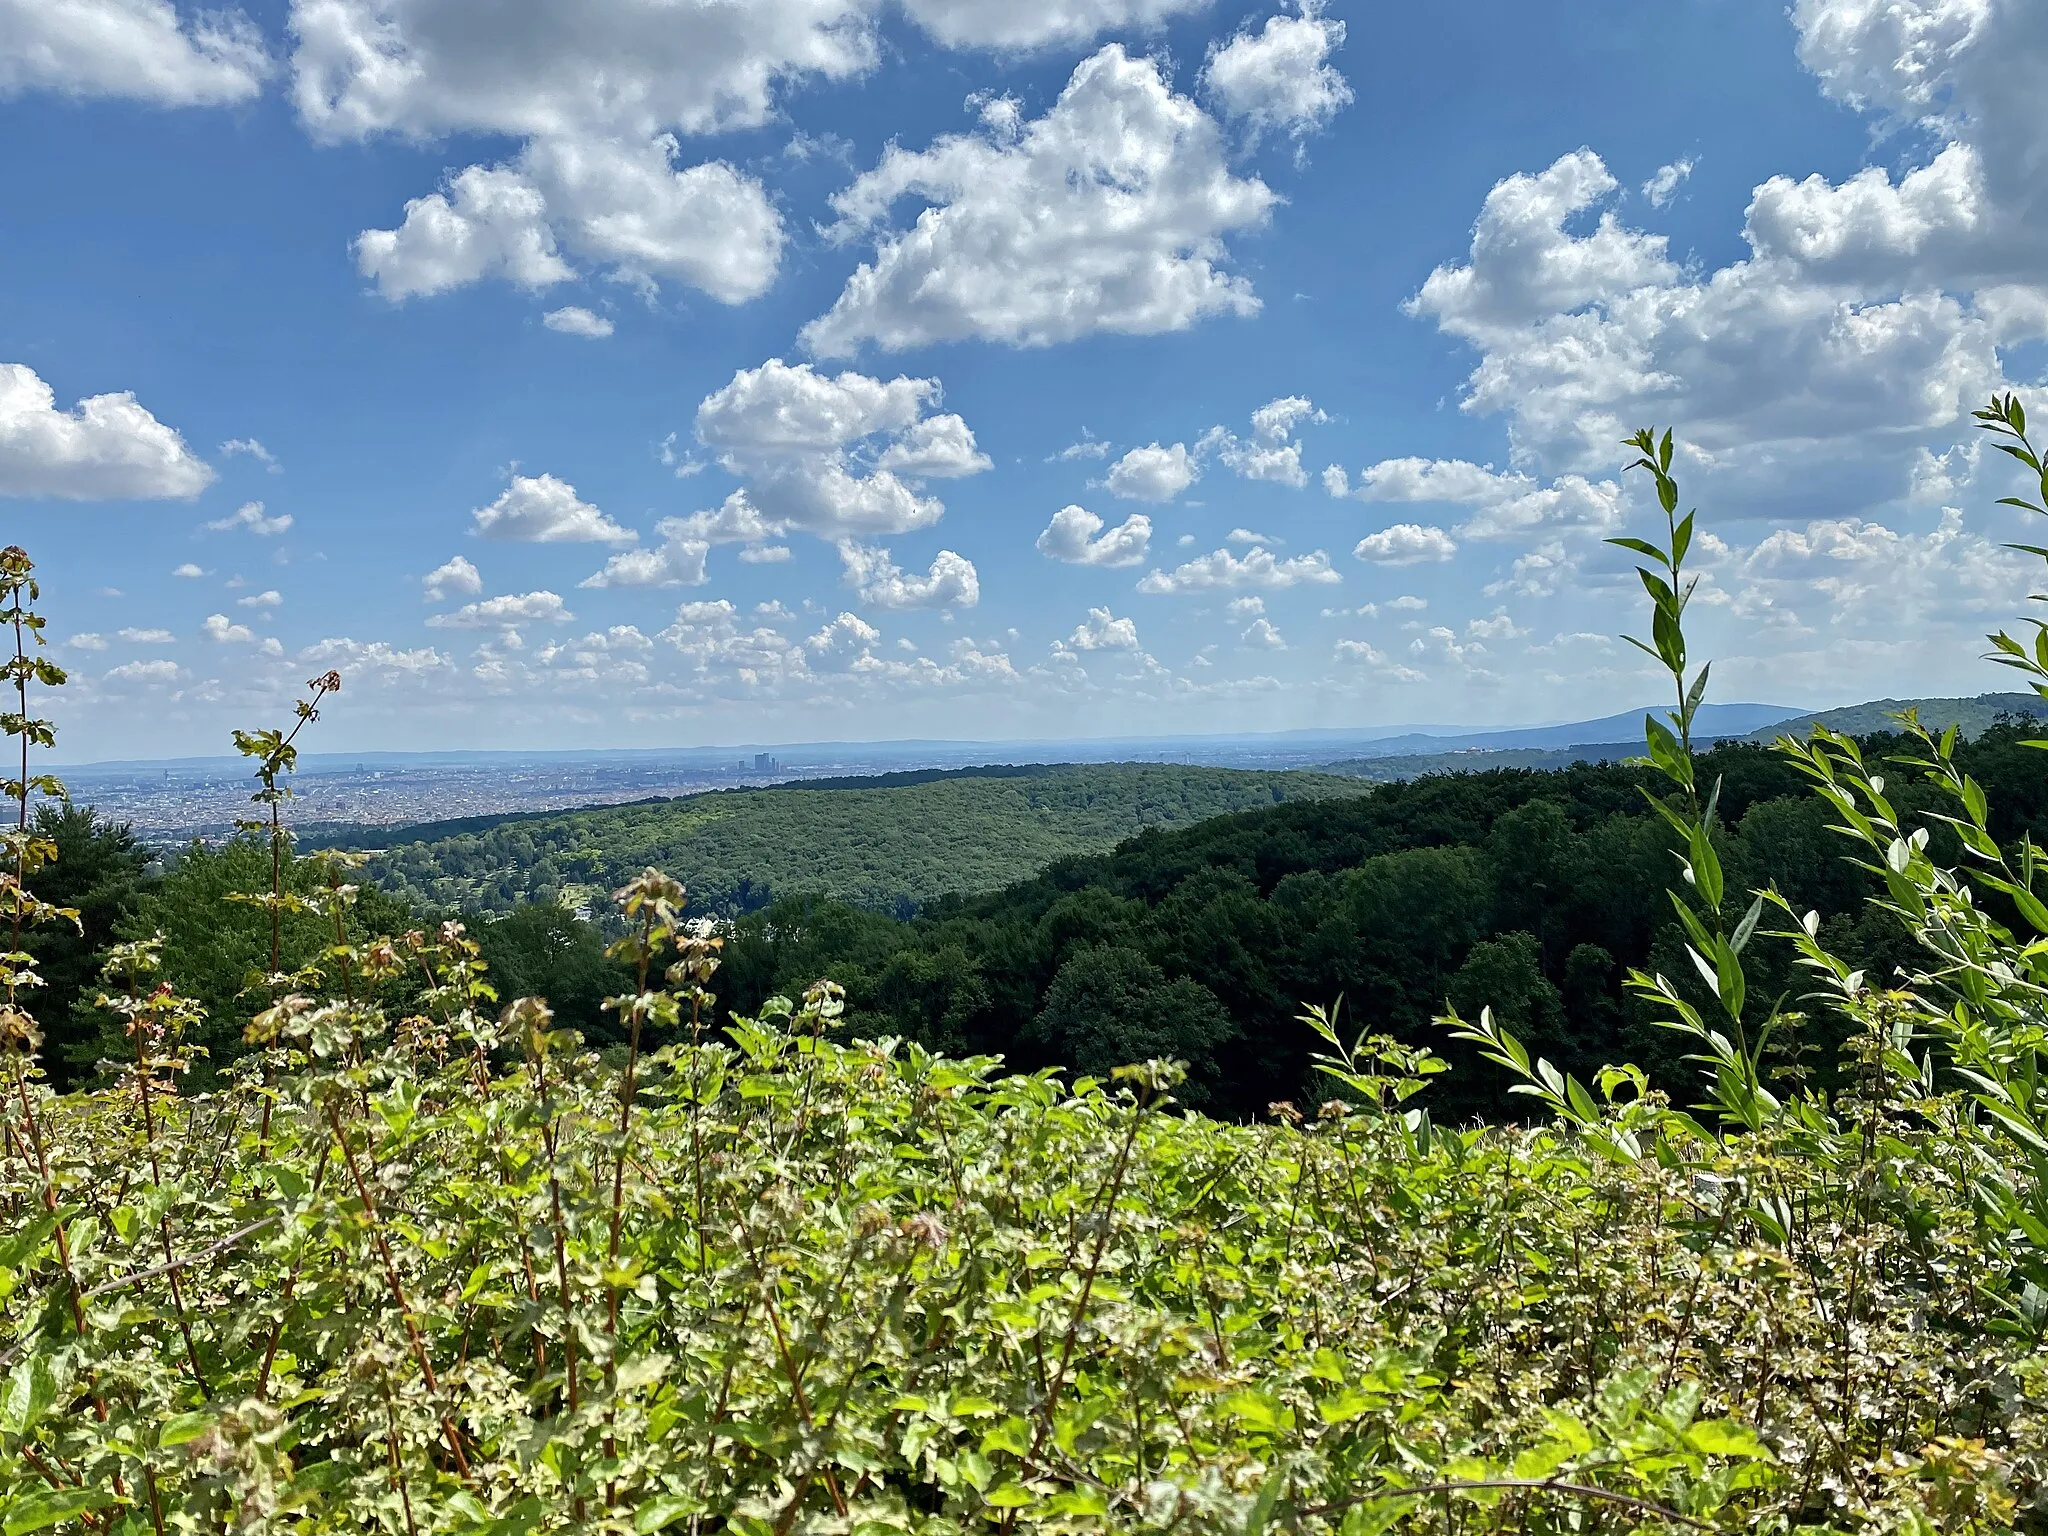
x=598 y=373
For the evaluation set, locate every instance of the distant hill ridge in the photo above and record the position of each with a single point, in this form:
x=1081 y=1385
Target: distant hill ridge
x=1972 y=716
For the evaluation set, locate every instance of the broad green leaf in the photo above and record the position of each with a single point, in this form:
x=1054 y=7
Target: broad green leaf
x=39 y=1511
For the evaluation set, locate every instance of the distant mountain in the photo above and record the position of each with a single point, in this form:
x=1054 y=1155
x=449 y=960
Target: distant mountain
x=1973 y=716
x=1714 y=722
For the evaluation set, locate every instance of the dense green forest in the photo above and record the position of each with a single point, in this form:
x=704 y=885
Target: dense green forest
x=1532 y=890
x=891 y=844
x=1535 y=892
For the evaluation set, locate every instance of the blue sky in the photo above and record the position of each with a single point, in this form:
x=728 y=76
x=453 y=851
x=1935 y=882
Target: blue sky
x=637 y=372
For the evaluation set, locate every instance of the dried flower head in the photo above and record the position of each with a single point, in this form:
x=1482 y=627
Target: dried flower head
x=18 y=1032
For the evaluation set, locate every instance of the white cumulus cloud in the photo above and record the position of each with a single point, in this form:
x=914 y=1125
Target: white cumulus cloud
x=835 y=455
x=1261 y=635
x=540 y=509
x=250 y=517
x=456 y=578
x=1406 y=544
x=1153 y=473
x=105 y=448
x=143 y=50
x=225 y=631
x=1109 y=213
x=622 y=205
x=1075 y=536
x=1103 y=631
x=144 y=672
x=1222 y=570
x=1663 y=186
x=1281 y=75
x=952 y=581
x=672 y=563
x=575 y=320
x=507 y=611
x=1377 y=663
x=1502 y=505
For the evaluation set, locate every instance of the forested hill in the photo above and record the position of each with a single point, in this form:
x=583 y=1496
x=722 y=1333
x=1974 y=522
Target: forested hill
x=1972 y=717
x=1532 y=892
x=888 y=844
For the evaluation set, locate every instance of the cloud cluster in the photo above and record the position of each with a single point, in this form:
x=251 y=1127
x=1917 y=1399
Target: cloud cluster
x=139 y=49
x=1153 y=473
x=1868 y=317
x=1109 y=213
x=836 y=455
x=540 y=509
x=107 y=447
x=1280 y=77
x=250 y=517
x=1075 y=536
x=506 y=612
x=952 y=581
x=1103 y=631
x=1220 y=570
x=1499 y=505
x=1406 y=544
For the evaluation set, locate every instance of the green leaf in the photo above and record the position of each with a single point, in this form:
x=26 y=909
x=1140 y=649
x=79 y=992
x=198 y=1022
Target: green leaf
x=39 y=1511
x=17 y=1249
x=1724 y=1437
x=1256 y=1410
x=1261 y=1513
x=180 y=1428
x=662 y=1511
x=29 y=1393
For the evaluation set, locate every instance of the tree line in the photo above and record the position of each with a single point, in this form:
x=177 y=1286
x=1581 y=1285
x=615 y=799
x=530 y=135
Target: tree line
x=1533 y=892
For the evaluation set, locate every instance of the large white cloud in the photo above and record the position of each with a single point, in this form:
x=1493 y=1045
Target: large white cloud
x=1220 y=570
x=141 y=49
x=1109 y=213
x=1503 y=506
x=1406 y=544
x=1075 y=536
x=1281 y=75
x=107 y=447
x=673 y=563
x=623 y=204
x=1103 y=631
x=1153 y=473
x=1869 y=317
x=598 y=90
x=508 y=611
x=456 y=577
x=540 y=509
x=601 y=94
x=1272 y=452
x=952 y=581
x=836 y=455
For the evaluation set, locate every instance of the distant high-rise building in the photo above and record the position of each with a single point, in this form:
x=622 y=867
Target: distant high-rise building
x=763 y=763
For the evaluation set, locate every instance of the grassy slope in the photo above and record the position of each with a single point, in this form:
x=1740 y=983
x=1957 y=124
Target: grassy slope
x=889 y=847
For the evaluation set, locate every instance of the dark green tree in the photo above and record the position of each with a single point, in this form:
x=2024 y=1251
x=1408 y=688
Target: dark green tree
x=1111 y=1006
x=98 y=874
